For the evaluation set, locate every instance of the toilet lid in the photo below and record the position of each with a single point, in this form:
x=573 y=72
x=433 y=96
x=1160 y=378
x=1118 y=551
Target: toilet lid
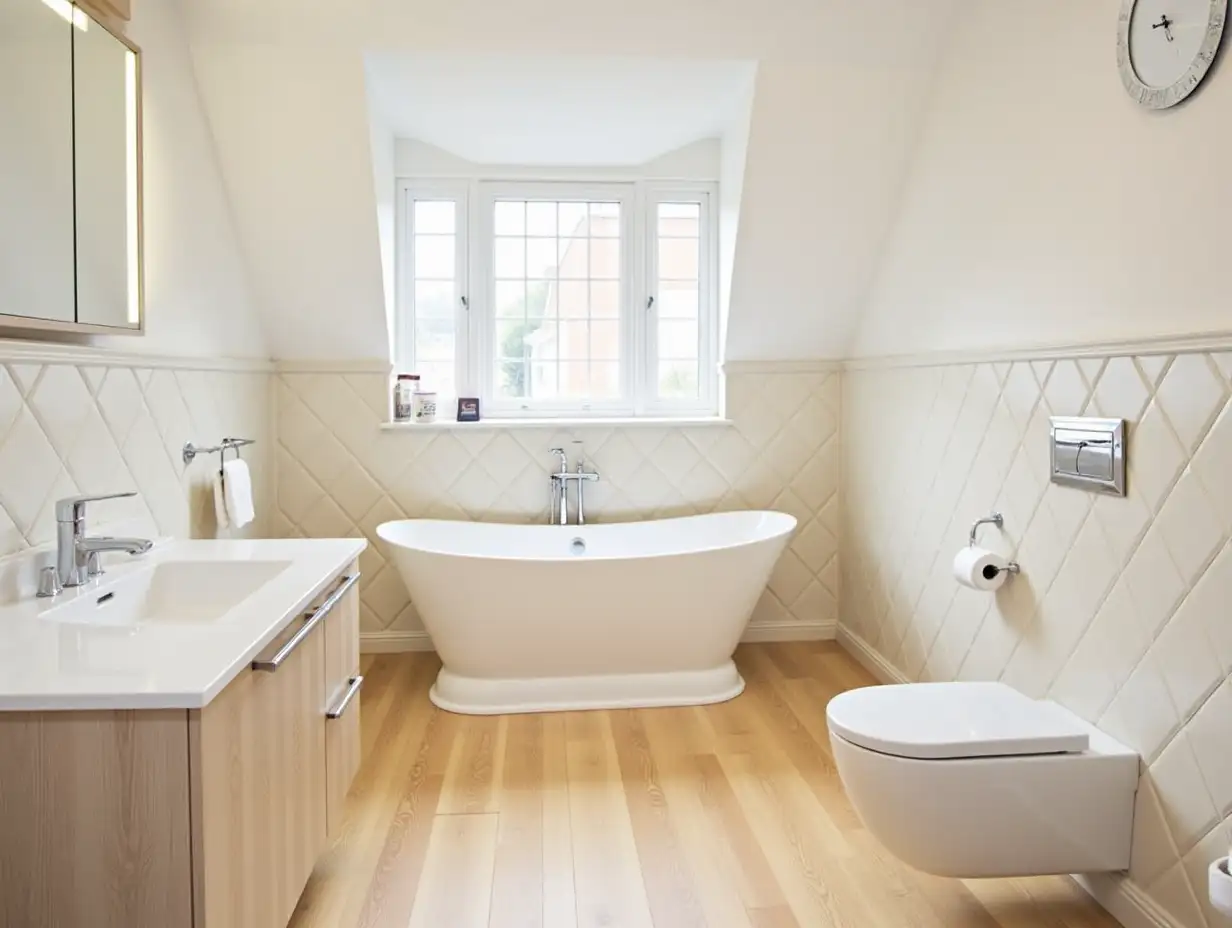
x=949 y=720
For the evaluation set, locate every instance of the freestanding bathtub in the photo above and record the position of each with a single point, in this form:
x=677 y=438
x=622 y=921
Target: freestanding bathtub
x=537 y=618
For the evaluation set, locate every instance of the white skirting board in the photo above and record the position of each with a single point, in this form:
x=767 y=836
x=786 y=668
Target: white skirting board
x=390 y=642
x=1115 y=892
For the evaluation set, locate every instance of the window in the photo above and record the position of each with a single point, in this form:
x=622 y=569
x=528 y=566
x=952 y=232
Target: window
x=560 y=299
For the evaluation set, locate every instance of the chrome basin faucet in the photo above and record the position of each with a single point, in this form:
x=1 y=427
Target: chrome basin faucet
x=560 y=489
x=77 y=555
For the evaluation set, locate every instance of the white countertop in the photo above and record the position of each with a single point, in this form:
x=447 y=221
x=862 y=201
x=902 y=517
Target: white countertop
x=51 y=664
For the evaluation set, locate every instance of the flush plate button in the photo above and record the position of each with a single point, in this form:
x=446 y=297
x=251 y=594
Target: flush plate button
x=1089 y=454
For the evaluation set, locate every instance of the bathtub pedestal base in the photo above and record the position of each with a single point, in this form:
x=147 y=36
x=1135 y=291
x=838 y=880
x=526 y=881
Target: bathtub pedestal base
x=477 y=696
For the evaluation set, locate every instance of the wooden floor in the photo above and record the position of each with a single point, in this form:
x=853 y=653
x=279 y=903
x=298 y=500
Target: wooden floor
x=727 y=816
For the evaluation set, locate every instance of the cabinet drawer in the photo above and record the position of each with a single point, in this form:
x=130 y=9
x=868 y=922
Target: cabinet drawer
x=342 y=685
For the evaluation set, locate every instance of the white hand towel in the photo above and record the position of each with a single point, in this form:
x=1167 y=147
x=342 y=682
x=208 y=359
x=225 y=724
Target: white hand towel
x=237 y=491
x=220 y=503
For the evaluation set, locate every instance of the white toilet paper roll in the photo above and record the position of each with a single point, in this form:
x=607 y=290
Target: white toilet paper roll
x=1221 y=886
x=980 y=569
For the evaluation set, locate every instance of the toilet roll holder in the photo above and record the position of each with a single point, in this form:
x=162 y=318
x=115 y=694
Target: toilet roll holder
x=999 y=521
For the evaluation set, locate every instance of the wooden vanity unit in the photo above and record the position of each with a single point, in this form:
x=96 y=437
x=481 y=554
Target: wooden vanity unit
x=187 y=818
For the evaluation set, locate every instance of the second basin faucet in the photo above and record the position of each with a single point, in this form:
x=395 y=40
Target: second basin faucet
x=77 y=554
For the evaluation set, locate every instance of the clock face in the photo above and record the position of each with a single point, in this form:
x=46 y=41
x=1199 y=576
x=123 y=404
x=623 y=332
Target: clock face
x=1166 y=47
x=1161 y=55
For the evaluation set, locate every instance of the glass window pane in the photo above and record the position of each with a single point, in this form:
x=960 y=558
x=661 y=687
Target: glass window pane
x=511 y=257
x=541 y=218
x=509 y=217
x=574 y=260
x=435 y=216
x=542 y=380
x=605 y=380
x=431 y=344
x=605 y=339
x=605 y=220
x=574 y=299
x=542 y=340
x=574 y=380
x=511 y=337
x=677 y=299
x=435 y=256
x=678 y=258
x=511 y=378
x=438 y=377
x=678 y=379
x=605 y=299
x=540 y=257
x=677 y=338
x=540 y=299
x=434 y=298
x=605 y=258
x=572 y=219
x=680 y=219
x=574 y=340
x=510 y=298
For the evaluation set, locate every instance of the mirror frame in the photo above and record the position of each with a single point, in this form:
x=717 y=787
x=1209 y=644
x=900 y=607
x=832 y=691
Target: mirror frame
x=21 y=325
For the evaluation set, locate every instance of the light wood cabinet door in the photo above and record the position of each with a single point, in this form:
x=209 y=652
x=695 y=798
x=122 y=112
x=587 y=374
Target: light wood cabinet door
x=258 y=752
x=94 y=824
x=342 y=685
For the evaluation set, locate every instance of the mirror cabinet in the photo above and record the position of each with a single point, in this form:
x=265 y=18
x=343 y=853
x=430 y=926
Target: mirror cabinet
x=70 y=171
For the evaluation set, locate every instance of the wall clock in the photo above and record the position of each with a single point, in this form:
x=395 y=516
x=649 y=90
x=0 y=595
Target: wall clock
x=1166 y=47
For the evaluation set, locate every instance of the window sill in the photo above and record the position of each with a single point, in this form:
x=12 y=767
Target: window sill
x=598 y=423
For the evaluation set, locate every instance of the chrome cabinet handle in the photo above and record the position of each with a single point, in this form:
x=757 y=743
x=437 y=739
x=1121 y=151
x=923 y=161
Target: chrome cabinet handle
x=336 y=712
x=311 y=621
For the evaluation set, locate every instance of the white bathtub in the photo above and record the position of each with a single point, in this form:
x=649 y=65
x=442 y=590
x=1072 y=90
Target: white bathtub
x=648 y=614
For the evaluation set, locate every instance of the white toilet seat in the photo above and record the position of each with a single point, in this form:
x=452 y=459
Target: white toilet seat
x=933 y=721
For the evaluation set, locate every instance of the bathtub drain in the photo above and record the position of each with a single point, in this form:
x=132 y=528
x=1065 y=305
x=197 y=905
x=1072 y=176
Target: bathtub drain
x=577 y=546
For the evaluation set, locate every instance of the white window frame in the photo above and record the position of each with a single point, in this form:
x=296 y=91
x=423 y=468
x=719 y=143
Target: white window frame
x=475 y=329
x=404 y=322
x=707 y=402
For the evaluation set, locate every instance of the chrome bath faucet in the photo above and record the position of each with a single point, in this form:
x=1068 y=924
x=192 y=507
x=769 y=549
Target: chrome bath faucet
x=76 y=554
x=560 y=489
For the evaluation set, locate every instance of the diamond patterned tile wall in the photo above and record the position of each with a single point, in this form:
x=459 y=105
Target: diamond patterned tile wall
x=105 y=427
x=1121 y=612
x=338 y=473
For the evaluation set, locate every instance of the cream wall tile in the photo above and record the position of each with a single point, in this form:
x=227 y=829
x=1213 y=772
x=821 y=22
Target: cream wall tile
x=1177 y=896
x=1121 y=611
x=1187 y=805
x=334 y=462
x=71 y=430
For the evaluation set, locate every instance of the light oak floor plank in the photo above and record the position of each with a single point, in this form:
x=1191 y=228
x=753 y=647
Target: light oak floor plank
x=727 y=816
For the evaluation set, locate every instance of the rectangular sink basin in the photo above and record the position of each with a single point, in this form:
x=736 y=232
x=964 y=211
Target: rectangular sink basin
x=173 y=592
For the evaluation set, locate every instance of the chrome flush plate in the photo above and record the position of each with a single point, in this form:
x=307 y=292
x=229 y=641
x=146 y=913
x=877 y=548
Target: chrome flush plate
x=1089 y=454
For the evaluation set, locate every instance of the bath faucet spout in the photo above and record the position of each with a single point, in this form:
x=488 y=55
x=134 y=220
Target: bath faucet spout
x=560 y=489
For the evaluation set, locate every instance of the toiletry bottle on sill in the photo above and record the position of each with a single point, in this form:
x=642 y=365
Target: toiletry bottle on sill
x=423 y=406
x=405 y=388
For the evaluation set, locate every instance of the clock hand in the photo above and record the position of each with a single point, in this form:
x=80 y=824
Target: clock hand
x=1166 y=25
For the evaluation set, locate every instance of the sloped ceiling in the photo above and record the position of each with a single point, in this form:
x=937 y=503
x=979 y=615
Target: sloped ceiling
x=556 y=110
x=840 y=90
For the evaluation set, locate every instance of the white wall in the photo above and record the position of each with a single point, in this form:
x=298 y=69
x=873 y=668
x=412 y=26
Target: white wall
x=1045 y=206
x=733 y=159
x=841 y=86
x=292 y=132
x=381 y=142
x=828 y=148
x=197 y=297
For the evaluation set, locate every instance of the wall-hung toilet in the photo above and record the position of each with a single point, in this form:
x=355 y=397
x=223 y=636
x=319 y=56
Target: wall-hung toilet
x=977 y=780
